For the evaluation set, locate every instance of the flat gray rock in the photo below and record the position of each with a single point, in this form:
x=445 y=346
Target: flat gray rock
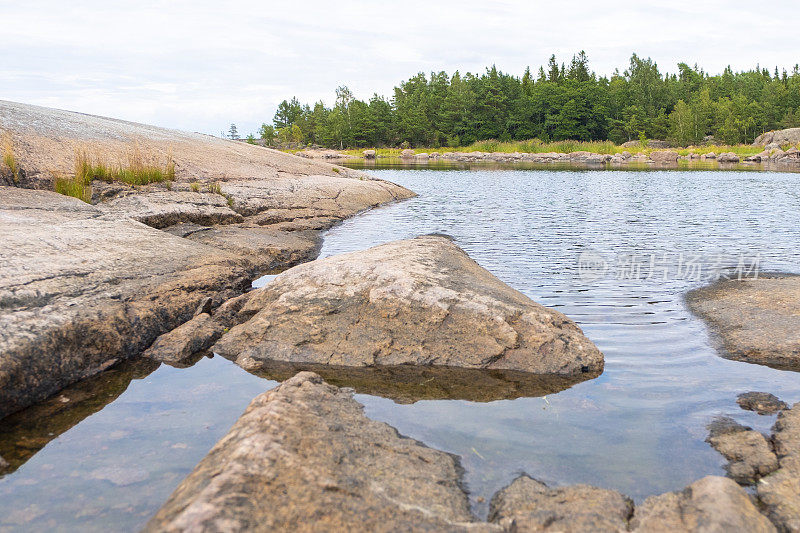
x=419 y=301
x=267 y=247
x=80 y=291
x=757 y=320
x=304 y=457
x=160 y=209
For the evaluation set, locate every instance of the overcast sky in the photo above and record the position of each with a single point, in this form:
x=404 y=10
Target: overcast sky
x=201 y=65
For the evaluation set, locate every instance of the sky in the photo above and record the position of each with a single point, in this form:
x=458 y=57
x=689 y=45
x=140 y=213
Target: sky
x=202 y=65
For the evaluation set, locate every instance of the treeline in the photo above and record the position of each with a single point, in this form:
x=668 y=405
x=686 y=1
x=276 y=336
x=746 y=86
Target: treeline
x=561 y=101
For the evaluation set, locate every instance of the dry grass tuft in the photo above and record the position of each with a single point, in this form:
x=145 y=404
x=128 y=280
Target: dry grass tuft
x=9 y=159
x=136 y=168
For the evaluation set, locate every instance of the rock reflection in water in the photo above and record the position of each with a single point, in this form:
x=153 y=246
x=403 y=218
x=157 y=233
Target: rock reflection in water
x=408 y=384
x=24 y=433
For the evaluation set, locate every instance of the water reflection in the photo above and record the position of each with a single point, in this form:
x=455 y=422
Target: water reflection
x=24 y=433
x=394 y=163
x=406 y=384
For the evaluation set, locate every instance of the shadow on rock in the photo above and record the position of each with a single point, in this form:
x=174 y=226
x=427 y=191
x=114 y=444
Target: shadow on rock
x=24 y=433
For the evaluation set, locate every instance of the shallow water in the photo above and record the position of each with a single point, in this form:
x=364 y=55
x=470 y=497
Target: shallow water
x=638 y=428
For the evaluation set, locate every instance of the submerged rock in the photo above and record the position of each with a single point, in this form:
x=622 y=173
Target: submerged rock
x=304 y=457
x=761 y=402
x=420 y=301
x=780 y=492
x=711 y=504
x=748 y=452
x=196 y=335
x=758 y=320
x=529 y=505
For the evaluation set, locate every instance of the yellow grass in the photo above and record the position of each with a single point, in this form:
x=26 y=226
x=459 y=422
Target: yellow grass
x=9 y=159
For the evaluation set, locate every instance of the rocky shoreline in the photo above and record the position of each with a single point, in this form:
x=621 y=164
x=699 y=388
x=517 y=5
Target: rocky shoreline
x=660 y=158
x=779 y=151
x=162 y=273
x=270 y=472
x=85 y=286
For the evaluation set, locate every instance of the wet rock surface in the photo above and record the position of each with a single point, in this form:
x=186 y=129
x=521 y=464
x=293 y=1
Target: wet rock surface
x=529 y=505
x=749 y=453
x=80 y=291
x=420 y=301
x=304 y=456
x=757 y=320
x=713 y=504
x=780 y=492
x=762 y=403
x=181 y=343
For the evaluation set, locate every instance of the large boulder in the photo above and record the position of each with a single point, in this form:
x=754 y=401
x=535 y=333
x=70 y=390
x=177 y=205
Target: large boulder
x=780 y=137
x=80 y=290
x=712 y=504
x=757 y=320
x=529 y=505
x=727 y=157
x=664 y=156
x=304 y=457
x=419 y=301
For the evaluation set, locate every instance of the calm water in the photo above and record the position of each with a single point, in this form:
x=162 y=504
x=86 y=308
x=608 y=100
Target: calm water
x=638 y=428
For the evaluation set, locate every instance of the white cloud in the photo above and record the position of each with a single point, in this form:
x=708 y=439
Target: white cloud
x=201 y=65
